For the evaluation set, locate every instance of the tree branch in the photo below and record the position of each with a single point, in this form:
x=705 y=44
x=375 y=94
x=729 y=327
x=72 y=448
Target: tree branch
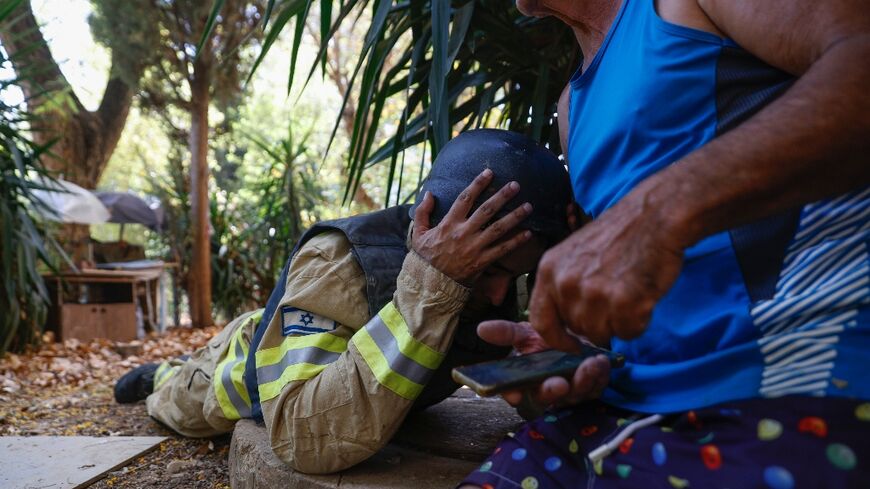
x=38 y=73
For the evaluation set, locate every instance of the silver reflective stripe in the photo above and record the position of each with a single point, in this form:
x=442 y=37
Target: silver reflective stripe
x=227 y=380
x=163 y=373
x=309 y=354
x=397 y=360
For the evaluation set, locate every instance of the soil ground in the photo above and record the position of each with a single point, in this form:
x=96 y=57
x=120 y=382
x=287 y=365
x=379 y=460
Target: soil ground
x=66 y=389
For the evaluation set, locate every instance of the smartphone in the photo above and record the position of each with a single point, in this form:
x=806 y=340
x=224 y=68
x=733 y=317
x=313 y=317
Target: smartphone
x=490 y=378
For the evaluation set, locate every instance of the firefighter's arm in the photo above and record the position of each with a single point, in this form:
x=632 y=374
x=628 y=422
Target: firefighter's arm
x=330 y=413
x=332 y=399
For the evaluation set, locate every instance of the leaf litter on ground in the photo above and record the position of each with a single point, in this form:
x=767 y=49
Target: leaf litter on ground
x=66 y=389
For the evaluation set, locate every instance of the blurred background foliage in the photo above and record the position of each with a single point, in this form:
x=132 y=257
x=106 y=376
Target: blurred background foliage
x=337 y=109
x=24 y=241
x=451 y=65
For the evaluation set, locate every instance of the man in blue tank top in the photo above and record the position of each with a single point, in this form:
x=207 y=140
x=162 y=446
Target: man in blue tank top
x=721 y=149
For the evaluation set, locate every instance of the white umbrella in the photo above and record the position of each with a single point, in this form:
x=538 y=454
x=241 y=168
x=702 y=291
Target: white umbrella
x=67 y=202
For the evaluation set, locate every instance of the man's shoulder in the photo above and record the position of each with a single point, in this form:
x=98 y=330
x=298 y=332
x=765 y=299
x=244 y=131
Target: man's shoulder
x=329 y=244
x=324 y=254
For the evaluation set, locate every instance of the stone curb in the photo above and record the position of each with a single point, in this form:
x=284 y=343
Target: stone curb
x=254 y=466
x=434 y=449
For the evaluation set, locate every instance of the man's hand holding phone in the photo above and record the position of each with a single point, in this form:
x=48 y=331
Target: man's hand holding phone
x=588 y=381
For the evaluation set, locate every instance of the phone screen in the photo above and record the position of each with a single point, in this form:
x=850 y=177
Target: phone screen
x=492 y=377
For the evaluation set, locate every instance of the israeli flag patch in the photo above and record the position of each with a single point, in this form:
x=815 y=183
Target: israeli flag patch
x=297 y=321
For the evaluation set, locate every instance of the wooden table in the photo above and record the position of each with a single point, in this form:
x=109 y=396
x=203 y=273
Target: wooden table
x=96 y=303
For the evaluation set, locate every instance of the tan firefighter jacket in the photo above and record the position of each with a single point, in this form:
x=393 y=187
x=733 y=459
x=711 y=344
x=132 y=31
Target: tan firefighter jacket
x=334 y=383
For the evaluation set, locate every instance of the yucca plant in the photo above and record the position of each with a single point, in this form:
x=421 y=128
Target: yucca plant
x=23 y=295
x=454 y=65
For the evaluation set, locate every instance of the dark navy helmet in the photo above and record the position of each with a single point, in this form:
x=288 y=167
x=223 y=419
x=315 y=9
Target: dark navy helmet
x=543 y=180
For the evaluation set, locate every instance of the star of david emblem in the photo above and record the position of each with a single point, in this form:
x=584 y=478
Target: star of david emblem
x=306 y=319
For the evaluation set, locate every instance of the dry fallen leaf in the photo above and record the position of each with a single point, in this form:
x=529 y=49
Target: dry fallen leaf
x=75 y=363
x=14 y=362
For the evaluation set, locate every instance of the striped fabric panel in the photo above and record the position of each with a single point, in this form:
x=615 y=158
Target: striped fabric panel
x=398 y=361
x=228 y=383
x=824 y=280
x=296 y=358
x=163 y=373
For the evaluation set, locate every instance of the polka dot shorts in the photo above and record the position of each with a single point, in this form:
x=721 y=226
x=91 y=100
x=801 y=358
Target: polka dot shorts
x=783 y=443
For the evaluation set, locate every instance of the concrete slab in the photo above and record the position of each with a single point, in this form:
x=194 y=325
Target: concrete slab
x=434 y=449
x=65 y=462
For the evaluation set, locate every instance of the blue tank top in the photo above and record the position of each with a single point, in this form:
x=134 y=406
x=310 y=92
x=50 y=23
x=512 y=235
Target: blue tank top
x=777 y=307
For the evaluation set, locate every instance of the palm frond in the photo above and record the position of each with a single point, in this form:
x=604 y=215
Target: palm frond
x=454 y=66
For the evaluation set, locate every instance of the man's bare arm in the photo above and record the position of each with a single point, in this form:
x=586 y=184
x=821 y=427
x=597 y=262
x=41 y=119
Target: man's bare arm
x=810 y=143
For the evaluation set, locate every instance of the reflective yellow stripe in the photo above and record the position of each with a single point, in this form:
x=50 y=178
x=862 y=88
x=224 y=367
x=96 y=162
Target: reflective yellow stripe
x=410 y=347
x=163 y=373
x=399 y=361
x=223 y=391
x=377 y=362
x=228 y=380
x=238 y=372
x=296 y=358
x=298 y=371
x=324 y=341
x=230 y=412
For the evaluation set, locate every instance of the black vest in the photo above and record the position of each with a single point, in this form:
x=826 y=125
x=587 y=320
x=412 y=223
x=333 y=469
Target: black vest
x=378 y=243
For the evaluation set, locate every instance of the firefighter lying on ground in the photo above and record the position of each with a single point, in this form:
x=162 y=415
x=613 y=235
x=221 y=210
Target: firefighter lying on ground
x=360 y=330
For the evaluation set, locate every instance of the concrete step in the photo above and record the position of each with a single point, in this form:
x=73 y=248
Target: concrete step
x=434 y=449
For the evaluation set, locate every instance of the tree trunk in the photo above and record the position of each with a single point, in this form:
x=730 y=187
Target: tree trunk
x=83 y=141
x=200 y=268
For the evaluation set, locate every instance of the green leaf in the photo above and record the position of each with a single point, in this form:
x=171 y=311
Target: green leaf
x=209 y=24
x=438 y=75
x=539 y=102
x=297 y=41
x=7 y=6
x=288 y=11
x=325 y=23
x=268 y=14
x=344 y=11
x=461 y=21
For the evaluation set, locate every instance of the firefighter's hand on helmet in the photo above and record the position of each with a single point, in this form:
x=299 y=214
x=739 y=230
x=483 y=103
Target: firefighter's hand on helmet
x=462 y=246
